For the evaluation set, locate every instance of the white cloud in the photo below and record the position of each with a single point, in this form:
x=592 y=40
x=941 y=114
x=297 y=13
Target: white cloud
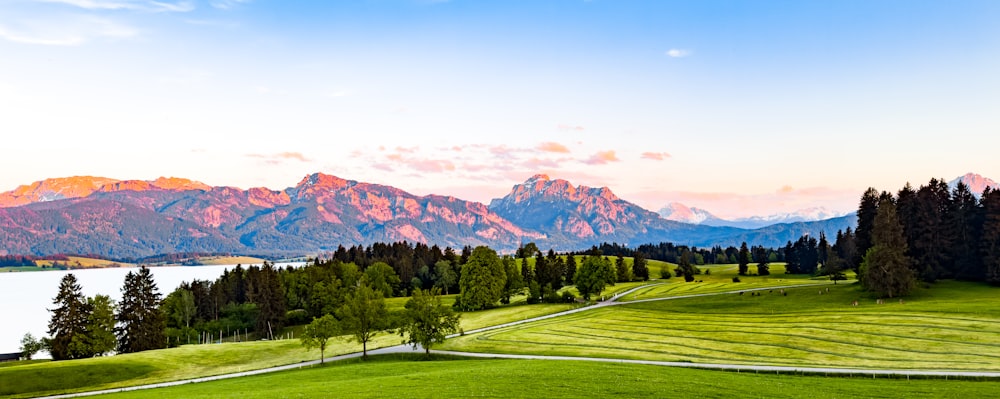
x=133 y=5
x=66 y=31
x=678 y=53
x=227 y=4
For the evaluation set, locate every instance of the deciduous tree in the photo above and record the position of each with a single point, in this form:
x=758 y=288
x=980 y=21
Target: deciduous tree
x=317 y=333
x=483 y=279
x=364 y=314
x=427 y=321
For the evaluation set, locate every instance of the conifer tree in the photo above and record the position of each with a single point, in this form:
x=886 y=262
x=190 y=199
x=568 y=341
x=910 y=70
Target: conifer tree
x=570 y=269
x=67 y=327
x=141 y=323
x=744 y=259
x=886 y=268
x=639 y=268
x=965 y=225
x=933 y=241
x=989 y=241
x=867 y=211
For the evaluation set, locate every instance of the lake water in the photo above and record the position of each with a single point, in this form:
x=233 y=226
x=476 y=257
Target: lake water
x=25 y=297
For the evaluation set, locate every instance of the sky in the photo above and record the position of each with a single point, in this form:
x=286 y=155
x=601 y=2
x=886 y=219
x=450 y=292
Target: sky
x=739 y=107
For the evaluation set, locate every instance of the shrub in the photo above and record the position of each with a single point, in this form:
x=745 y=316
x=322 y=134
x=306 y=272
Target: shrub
x=736 y=279
x=568 y=297
x=297 y=317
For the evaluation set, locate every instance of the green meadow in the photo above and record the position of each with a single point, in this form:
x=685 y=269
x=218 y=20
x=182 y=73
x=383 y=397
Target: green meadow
x=395 y=376
x=952 y=326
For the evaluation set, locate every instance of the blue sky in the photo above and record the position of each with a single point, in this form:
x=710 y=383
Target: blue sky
x=735 y=106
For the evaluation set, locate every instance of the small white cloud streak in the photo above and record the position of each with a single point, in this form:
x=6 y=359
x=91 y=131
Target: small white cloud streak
x=678 y=53
x=148 y=6
x=72 y=32
x=227 y=4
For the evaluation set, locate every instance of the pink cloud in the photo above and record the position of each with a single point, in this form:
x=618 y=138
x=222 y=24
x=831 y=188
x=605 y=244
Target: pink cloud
x=550 y=146
x=535 y=163
x=568 y=127
x=602 y=157
x=656 y=156
x=275 y=159
x=431 y=165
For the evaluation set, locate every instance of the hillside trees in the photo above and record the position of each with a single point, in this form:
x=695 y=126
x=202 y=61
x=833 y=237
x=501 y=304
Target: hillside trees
x=483 y=279
x=514 y=283
x=639 y=268
x=684 y=267
x=867 y=210
x=886 y=269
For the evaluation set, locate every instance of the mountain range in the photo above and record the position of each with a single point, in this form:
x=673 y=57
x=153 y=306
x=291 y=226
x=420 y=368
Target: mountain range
x=682 y=213
x=133 y=218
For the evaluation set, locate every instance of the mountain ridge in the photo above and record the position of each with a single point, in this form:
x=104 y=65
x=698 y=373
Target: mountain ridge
x=134 y=218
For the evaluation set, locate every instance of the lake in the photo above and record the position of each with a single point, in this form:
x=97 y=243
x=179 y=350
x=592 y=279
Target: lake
x=25 y=297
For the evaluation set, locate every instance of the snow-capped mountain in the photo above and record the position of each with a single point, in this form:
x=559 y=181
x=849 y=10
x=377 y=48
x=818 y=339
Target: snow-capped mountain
x=679 y=212
x=976 y=183
x=683 y=213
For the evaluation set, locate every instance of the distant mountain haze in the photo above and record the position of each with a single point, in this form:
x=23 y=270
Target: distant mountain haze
x=133 y=218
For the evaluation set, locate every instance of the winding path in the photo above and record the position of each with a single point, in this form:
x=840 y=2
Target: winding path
x=612 y=301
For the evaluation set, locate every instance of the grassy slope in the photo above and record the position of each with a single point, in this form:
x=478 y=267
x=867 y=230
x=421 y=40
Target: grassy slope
x=86 y=263
x=951 y=326
x=719 y=278
x=393 y=377
x=35 y=378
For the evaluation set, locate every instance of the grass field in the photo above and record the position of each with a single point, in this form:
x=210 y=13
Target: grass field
x=226 y=260
x=719 y=278
x=953 y=326
x=23 y=379
x=400 y=376
x=84 y=263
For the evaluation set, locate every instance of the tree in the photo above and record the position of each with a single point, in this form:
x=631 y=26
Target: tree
x=684 y=267
x=180 y=308
x=639 y=268
x=30 y=346
x=885 y=269
x=744 y=259
x=989 y=240
x=514 y=284
x=68 y=325
x=382 y=277
x=594 y=274
x=364 y=314
x=867 y=210
x=317 y=333
x=141 y=324
x=482 y=281
x=571 y=268
x=445 y=273
x=933 y=241
x=427 y=321
x=965 y=224
x=265 y=291
x=622 y=272
x=760 y=256
x=101 y=325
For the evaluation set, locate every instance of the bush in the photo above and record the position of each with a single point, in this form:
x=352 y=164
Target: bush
x=708 y=272
x=665 y=273
x=297 y=317
x=568 y=297
x=736 y=279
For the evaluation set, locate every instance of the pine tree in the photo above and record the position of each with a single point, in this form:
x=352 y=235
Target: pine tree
x=570 y=269
x=67 y=327
x=932 y=242
x=886 y=269
x=867 y=211
x=744 y=259
x=141 y=323
x=639 y=268
x=760 y=256
x=989 y=241
x=965 y=225
x=268 y=295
